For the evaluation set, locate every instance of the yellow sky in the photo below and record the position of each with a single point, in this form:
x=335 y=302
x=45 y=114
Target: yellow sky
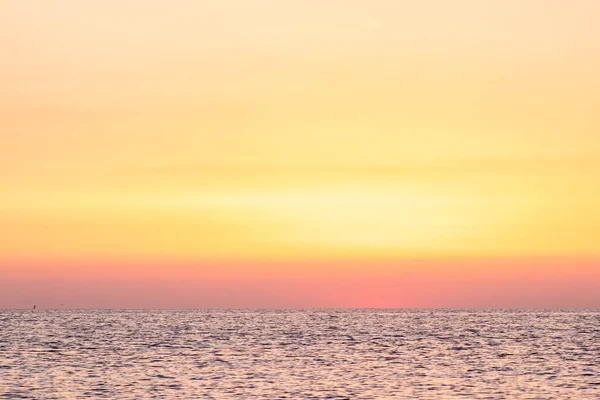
x=298 y=130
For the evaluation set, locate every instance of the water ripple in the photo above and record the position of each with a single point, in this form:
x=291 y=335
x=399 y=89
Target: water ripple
x=335 y=354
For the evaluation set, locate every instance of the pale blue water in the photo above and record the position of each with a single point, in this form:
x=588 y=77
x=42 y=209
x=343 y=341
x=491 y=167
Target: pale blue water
x=355 y=354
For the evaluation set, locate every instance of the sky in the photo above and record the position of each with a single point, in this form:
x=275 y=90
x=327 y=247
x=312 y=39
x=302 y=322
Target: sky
x=309 y=153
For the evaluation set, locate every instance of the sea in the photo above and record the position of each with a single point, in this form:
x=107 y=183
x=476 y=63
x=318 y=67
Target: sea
x=300 y=354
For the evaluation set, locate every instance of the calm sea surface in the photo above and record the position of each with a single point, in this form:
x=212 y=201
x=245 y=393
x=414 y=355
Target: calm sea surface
x=298 y=354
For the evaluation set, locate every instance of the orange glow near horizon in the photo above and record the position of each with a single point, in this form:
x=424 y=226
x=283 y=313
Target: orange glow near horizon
x=289 y=154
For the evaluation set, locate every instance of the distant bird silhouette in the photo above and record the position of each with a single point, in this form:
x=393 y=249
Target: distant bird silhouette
x=34 y=306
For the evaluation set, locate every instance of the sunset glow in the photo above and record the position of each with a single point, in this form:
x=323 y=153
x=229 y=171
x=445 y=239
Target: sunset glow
x=300 y=154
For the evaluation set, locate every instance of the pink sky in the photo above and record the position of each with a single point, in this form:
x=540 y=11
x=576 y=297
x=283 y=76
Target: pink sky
x=511 y=283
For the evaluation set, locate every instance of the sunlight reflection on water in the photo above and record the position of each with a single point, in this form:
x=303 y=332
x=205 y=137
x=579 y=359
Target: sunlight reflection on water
x=362 y=354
